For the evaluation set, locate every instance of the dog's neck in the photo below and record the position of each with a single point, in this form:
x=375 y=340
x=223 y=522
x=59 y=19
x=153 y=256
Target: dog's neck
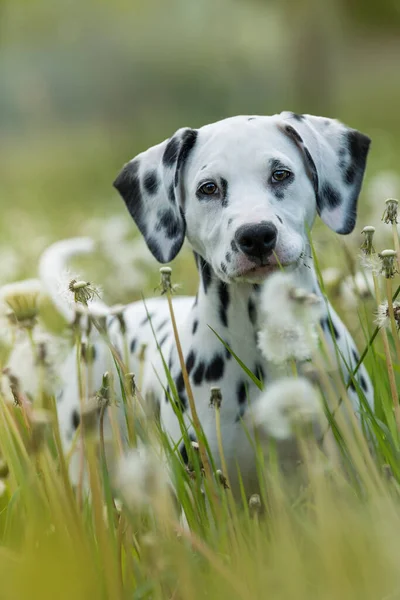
x=232 y=309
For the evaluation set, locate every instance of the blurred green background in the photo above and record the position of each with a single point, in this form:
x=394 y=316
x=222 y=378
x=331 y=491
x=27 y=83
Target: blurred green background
x=85 y=85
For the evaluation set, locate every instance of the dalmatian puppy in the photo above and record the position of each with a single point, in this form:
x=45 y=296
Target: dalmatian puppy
x=244 y=191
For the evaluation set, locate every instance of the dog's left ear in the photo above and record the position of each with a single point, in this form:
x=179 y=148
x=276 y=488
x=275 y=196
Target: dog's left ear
x=335 y=157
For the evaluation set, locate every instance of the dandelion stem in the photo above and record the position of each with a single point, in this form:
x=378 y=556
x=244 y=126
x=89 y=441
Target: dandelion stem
x=189 y=391
x=392 y=380
x=392 y=318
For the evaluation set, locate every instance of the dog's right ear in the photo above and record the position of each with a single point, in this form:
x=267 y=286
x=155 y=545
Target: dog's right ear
x=150 y=185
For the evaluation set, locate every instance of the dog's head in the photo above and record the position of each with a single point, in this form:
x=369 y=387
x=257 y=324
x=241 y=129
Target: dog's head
x=245 y=190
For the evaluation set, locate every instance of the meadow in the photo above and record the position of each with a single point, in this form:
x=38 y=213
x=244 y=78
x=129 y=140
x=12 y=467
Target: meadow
x=84 y=92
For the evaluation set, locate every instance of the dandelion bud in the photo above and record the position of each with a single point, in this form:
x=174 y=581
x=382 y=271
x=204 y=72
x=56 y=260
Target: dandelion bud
x=222 y=479
x=388 y=265
x=22 y=298
x=3 y=469
x=165 y=284
x=390 y=212
x=130 y=383
x=215 y=397
x=367 y=246
x=255 y=505
x=104 y=394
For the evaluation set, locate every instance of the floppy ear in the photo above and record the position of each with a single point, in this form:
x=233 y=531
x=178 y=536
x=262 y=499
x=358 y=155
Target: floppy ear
x=335 y=158
x=150 y=185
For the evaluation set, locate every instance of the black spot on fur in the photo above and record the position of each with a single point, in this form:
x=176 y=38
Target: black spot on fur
x=203 y=167
x=330 y=326
x=259 y=372
x=171 y=152
x=358 y=145
x=228 y=257
x=128 y=185
x=363 y=383
x=240 y=414
x=224 y=190
x=198 y=374
x=188 y=142
x=279 y=219
x=148 y=317
x=76 y=419
x=179 y=382
x=205 y=272
x=294 y=134
x=223 y=294
x=234 y=246
x=230 y=221
x=171 y=194
x=151 y=182
x=279 y=194
x=60 y=396
x=133 y=345
x=190 y=360
x=215 y=369
x=183 y=450
x=169 y=223
x=163 y=339
x=352 y=386
x=194 y=327
x=298 y=117
x=355 y=355
x=162 y=325
x=330 y=196
x=251 y=307
x=241 y=392
x=228 y=355
x=251 y=119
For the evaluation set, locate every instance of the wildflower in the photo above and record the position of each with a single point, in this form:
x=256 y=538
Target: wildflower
x=22 y=297
x=357 y=287
x=382 y=316
x=288 y=317
x=286 y=406
x=215 y=397
x=222 y=479
x=141 y=479
x=83 y=291
x=388 y=265
x=370 y=263
x=390 y=212
x=165 y=284
x=332 y=278
x=367 y=246
x=255 y=504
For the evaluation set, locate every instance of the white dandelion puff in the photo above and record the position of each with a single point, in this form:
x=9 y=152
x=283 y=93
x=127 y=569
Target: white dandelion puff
x=356 y=288
x=286 y=406
x=382 y=318
x=141 y=479
x=288 y=317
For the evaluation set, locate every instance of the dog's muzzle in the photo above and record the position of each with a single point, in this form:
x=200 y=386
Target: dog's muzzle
x=257 y=241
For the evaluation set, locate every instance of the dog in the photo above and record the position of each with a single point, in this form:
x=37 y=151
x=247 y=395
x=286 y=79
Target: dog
x=244 y=192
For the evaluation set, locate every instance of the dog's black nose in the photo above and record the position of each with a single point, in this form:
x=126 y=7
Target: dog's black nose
x=257 y=241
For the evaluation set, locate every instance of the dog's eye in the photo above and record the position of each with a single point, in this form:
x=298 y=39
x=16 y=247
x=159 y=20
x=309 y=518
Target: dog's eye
x=280 y=175
x=208 y=189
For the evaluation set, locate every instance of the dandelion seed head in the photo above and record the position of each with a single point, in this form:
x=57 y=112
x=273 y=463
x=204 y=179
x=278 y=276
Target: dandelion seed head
x=22 y=297
x=286 y=406
x=141 y=479
x=288 y=319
